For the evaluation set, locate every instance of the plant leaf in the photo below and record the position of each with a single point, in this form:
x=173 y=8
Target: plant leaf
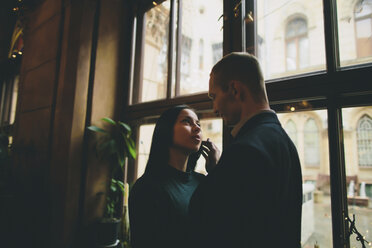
x=130 y=146
x=125 y=126
x=96 y=129
x=109 y=120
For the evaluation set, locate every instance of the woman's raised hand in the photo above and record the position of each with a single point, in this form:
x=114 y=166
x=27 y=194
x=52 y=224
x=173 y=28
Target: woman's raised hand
x=211 y=154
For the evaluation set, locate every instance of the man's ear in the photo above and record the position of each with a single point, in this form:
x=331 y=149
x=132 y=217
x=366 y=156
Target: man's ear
x=236 y=89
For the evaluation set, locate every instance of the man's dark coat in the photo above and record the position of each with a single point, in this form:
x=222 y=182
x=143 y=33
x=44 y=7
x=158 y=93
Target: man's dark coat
x=253 y=198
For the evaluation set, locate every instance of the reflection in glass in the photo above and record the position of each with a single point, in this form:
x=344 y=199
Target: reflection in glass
x=155 y=54
x=357 y=128
x=316 y=208
x=201 y=43
x=355 y=31
x=290 y=37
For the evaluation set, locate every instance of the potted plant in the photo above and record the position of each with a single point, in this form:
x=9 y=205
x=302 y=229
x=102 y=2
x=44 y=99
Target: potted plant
x=114 y=145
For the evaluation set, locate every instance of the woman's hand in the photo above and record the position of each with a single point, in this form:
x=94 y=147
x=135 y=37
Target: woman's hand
x=211 y=154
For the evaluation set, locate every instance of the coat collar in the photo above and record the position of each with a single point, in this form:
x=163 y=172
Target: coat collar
x=260 y=118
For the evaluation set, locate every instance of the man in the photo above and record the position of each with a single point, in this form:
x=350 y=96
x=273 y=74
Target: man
x=253 y=197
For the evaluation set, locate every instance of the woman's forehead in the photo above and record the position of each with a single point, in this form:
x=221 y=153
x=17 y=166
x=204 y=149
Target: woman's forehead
x=188 y=113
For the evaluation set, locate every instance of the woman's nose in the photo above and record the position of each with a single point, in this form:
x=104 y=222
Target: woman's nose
x=196 y=128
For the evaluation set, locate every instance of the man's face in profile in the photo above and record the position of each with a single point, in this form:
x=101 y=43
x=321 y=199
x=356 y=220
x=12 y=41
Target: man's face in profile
x=224 y=102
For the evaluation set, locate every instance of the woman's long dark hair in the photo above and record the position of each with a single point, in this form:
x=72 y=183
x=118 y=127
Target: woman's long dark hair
x=162 y=139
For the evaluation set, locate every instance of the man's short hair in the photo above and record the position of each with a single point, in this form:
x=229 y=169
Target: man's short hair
x=242 y=67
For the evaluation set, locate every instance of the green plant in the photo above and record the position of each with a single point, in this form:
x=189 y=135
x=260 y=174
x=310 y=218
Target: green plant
x=114 y=145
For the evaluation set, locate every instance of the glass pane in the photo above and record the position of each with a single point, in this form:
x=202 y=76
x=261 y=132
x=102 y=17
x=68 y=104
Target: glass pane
x=155 y=54
x=14 y=100
x=355 y=31
x=357 y=127
x=201 y=43
x=290 y=37
x=211 y=128
x=316 y=208
x=144 y=145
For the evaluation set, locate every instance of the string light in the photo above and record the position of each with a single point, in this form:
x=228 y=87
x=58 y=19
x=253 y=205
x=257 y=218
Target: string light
x=154 y=3
x=292 y=109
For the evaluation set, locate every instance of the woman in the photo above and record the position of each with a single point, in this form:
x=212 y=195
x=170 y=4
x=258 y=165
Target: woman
x=159 y=200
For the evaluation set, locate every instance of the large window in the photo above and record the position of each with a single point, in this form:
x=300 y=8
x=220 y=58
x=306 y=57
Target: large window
x=180 y=42
x=317 y=66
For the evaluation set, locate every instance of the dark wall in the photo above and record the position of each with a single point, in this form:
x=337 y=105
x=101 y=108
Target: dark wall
x=74 y=71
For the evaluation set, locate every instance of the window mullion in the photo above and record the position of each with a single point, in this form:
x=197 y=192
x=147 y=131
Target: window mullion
x=171 y=48
x=331 y=36
x=337 y=175
x=178 y=46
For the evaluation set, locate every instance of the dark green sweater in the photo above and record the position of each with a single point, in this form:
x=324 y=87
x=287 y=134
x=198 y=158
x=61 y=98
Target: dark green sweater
x=158 y=208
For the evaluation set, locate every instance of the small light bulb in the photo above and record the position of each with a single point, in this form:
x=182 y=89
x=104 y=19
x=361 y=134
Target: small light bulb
x=292 y=109
x=13 y=56
x=20 y=53
x=154 y=3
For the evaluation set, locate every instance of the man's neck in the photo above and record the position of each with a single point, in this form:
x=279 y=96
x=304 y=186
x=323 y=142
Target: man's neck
x=247 y=117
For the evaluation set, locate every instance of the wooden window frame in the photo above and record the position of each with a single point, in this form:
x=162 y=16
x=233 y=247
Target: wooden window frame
x=332 y=89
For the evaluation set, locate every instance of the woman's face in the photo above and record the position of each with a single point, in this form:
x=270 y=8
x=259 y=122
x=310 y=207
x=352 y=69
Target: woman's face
x=187 y=134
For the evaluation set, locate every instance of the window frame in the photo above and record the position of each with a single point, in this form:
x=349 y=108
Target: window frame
x=332 y=89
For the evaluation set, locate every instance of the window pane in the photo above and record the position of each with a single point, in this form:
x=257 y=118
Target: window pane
x=355 y=31
x=357 y=127
x=316 y=209
x=211 y=128
x=290 y=37
x=155 y=54
x=144 y=145
x=201 y=43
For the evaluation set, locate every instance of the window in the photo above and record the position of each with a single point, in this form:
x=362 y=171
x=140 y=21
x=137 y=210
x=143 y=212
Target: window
x=155 y=58
x=297 y=45
x=357 y=139
x=186 y=43
x=290 y=128
x=363 y=26
x=176 y=49
x=318 y=86
x=311 y=139
x=355 y=31
x=217 y=52
x=290 y=37
x=364 y=141
x=316 y=212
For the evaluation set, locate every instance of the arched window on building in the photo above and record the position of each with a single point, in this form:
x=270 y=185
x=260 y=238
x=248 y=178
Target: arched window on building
x=364 y=141
x=201 y=54
x=296 y=44
x=291 y=129
x=312 y=141
x=363 y=28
